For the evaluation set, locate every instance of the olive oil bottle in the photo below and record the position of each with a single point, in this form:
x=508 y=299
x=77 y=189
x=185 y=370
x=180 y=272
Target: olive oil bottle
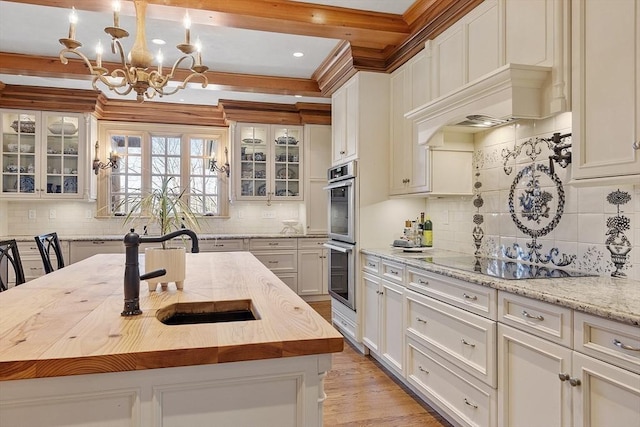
x=427 y=232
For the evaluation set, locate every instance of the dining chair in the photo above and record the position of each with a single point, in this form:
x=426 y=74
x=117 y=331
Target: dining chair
x=47 y=242
x=10 y=257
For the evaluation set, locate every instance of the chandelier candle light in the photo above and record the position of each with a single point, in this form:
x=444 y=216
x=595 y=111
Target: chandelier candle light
x=137 y=75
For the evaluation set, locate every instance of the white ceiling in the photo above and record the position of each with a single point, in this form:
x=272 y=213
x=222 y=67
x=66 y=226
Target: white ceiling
x=35 y=30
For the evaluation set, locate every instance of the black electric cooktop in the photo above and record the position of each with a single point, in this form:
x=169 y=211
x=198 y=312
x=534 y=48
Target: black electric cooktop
x=503 y=269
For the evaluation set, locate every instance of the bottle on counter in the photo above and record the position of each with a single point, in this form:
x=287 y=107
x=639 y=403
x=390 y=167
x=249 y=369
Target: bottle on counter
x=427 y=233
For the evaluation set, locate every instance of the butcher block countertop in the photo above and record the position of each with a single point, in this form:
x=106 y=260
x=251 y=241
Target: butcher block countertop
x=69 y=323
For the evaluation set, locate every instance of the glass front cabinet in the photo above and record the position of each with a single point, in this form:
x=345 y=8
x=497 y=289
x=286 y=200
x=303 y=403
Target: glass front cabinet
x=268 y=162
x=42 y=154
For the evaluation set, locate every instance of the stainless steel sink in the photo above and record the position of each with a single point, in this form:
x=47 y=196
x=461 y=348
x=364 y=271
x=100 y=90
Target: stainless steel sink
x=190 y=313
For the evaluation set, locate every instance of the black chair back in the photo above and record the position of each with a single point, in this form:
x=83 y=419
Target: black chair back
x=47 y=242
x=10 y=257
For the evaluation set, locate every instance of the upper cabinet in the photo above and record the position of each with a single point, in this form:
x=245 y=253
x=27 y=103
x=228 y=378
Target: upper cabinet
x=269 y=162
x=43 y=155
x=359 y=116
x=606 y=91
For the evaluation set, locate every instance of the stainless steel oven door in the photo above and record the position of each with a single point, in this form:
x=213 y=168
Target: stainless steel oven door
x=341 y=210
x=342 y=270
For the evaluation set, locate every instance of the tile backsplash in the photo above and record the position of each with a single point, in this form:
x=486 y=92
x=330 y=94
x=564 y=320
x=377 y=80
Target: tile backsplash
x=76 y=218
x=521 y=209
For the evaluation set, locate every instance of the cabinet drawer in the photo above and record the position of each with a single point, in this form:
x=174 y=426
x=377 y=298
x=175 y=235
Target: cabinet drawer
x=371 y=264
x=607 y=340
x=469 y=402
x=346 y=326
x=32 y=267
x=539 y=318
x=270 y=244
x=477 y=299
x=221 y=245
x=463 y=338
x=392 y=271
x=312 y=243
x=290 y=279
x=280 y=261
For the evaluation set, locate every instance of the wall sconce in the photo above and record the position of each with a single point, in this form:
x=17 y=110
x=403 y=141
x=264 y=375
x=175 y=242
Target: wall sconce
x=97 y=164
x=213 y=166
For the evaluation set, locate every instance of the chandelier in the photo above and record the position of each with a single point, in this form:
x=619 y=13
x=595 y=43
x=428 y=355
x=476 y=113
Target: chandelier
x=135 y=71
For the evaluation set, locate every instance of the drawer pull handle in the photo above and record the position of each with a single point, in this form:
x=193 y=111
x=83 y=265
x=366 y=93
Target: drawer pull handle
x=564 y=377
x=370 y=264
x=273 y=243
x=624 y=346
x=273 y=262
x=421 y=320
x=528 y=316
x=466 y=343
x=97 y=242
x=423 y=282
x=423 y=370
x=393 y=272
x=473 y=405
x=469 y=297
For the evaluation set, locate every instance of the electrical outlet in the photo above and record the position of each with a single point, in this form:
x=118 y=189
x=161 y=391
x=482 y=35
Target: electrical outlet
x=88 y=214
x=32 y=214
x=268 y=214
x=445 y=217
x=52 y=214
x=240 y=214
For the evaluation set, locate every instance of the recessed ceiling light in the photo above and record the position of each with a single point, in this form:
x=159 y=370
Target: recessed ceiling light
x=298 y=54
x=158 y=41
x=298 y=96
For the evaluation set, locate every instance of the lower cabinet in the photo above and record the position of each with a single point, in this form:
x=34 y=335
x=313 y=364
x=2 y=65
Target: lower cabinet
x=312 y=267
x=279 y=256
x=574 y=389
x=32 y=261
x=490 y=358
x=383 y=308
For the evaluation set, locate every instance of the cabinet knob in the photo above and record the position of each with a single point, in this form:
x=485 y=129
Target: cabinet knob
x=575 y=382
x=342 y=152
x=564 y=377
x=636 y=145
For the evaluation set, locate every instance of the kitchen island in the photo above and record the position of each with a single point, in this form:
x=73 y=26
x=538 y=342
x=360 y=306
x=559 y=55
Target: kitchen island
x=67 y=357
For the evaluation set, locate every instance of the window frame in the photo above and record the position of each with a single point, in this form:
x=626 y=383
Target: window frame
x=148 y=130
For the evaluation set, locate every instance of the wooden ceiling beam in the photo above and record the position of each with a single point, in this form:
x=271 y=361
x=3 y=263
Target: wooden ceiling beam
x=41 y=66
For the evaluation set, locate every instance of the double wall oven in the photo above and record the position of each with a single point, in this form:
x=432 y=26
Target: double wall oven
x=342 y=200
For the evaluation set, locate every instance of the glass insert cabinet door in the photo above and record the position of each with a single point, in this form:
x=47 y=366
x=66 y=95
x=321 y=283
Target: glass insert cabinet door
x=270 y=159
x=62 y=154
x=19 y=148
x=40 y=154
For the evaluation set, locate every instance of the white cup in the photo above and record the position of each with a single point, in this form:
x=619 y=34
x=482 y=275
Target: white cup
x=67 y=170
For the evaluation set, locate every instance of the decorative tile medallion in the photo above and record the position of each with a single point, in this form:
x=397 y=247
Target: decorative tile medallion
x=617 y=242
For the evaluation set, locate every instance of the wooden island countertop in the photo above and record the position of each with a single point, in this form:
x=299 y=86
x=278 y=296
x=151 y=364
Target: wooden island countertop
x=69 y=323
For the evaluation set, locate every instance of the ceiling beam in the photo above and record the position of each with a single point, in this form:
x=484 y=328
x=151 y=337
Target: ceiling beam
x=43 y=66
x=359 y=27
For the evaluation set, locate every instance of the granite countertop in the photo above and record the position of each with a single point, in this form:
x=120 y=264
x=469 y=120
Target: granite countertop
x=68 y=322
x=613 y=298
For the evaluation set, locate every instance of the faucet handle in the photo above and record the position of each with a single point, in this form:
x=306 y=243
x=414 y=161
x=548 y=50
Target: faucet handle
x=154 y=273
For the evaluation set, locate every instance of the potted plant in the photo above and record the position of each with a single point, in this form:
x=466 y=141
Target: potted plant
x=165 y=209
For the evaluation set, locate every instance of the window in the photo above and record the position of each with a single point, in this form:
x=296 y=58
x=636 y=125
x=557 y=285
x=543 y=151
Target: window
x=150 y=153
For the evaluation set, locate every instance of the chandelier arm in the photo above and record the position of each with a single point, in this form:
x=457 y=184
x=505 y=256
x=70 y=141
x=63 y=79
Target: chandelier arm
x=183 y=85
x=178 y=62
x=87 y=62
x=116 y=48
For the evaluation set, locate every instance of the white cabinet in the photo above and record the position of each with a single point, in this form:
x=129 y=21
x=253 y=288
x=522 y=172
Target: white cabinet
x=529 y=390
x=541 y=366
x=606 y=90
x=312 y=267
x=383 y=319
x=279 y=256
x=443 y=167
x=43 y=155
x=268 y=162
x=32 y=261
x=359 y=111
x=317 y=148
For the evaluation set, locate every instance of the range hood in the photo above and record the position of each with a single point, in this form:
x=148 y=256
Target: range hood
x=511 y=92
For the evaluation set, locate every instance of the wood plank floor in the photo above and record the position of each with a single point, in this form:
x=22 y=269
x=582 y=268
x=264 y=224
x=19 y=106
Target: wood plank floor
x=361 y=393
